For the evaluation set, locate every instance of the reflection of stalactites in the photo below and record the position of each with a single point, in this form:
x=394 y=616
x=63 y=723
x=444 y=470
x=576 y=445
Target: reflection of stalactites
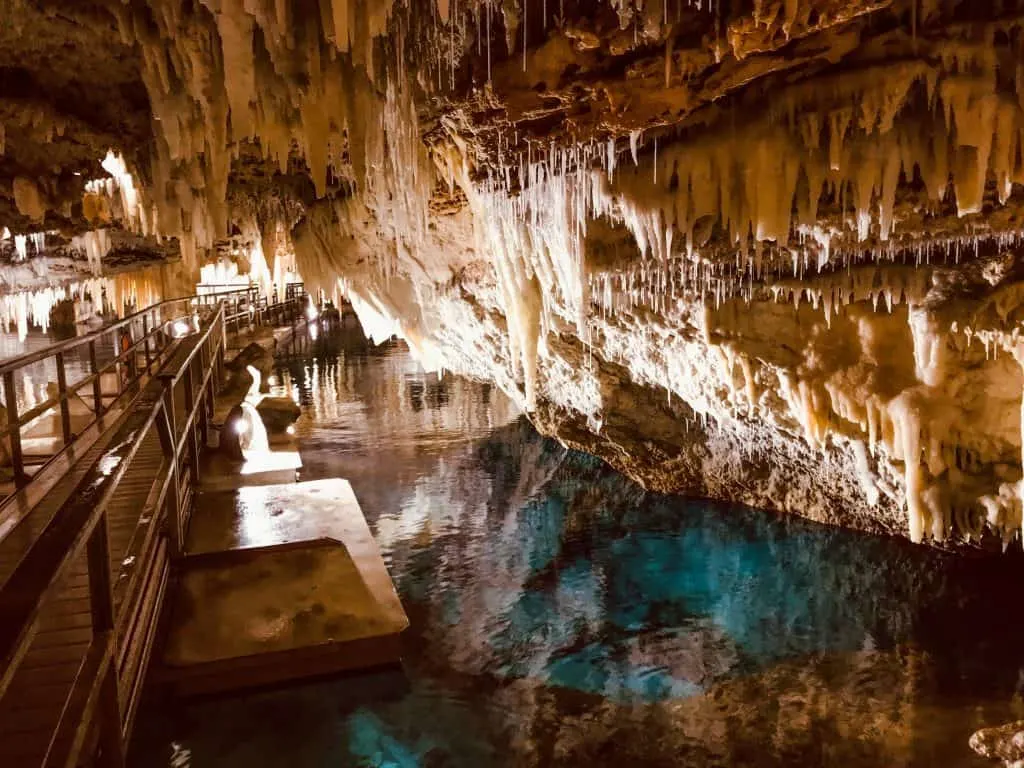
x=96 y=245
x=120 y=293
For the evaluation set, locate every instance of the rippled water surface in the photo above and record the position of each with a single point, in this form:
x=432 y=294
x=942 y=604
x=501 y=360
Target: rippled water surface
x=562 y=616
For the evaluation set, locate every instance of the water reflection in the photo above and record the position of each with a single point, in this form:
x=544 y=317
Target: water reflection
x=372 y=415
x=89 y=302
x=26 y=322
x=563 y=616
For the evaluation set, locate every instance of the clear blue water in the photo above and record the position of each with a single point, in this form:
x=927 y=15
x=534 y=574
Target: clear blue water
x=560 y=615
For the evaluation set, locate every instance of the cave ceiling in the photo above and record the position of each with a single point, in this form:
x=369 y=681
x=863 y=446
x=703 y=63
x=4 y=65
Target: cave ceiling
x=225 y=110
x=758 y=250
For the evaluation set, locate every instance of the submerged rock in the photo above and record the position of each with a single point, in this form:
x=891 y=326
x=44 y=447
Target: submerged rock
x=254 y=355
x=232 y=434
x=237 y=385
x=243 y=431
x=278 y=413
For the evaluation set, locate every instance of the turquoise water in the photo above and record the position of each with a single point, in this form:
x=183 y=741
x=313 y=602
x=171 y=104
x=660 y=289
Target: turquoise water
x=560 y=615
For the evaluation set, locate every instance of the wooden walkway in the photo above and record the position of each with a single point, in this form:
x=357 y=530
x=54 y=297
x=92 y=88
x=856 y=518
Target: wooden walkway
x=28 y=715
x=82 y=574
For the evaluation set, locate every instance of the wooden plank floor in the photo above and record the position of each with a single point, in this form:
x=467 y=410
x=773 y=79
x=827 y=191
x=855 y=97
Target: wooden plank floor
x=31 y=708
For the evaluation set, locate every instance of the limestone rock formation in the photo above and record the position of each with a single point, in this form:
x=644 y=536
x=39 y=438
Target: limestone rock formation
x=1005 y=743
x=258 y=356
x=762 y=250
x=278 y=413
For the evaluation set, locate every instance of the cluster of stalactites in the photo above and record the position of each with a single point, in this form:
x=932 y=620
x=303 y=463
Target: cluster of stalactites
x=118 y=199
x=759 y=185
x=25 y=245
x=94 y=245
x=263 y=258
x=849 y=141
x=301 y=79
x=762 y=183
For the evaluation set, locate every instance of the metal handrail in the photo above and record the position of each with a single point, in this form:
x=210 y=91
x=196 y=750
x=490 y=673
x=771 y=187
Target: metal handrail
x=28 y=358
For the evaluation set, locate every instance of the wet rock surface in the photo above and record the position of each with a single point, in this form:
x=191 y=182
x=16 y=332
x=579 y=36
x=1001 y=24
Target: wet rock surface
x=1005 y=742
x=259 y=356
x=797 y=223
x=278 y=413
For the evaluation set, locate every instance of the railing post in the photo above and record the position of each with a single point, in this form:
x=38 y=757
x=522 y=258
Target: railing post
x=145 y=334
x=189 y=392
x=14 y=431
x=208 y=406
x=119 y=367
x=193 y=433
x=132 y=360
x=209 y=365
x=101 y=594
x=168 y=443
x=112 y=752
x=97 y=385
x=62 y=393
x=101 y=599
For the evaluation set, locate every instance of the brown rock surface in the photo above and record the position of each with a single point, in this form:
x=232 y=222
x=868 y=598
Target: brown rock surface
x=767 y=252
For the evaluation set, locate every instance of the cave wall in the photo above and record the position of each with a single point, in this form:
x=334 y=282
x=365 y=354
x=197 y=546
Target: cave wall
x=760 y=250
x=805 y=298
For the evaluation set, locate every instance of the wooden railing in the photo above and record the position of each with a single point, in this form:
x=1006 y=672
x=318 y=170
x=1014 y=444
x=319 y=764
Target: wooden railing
x=118 y=359
x=177 y=402
x=166 y=388
x=247 y=308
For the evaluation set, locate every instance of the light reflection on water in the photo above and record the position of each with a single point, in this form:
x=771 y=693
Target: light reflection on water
x=32 y=381
x=25 y=321
x=562 y=616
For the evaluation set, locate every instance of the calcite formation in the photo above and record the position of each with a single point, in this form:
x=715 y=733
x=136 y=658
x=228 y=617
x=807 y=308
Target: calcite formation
x=763 y=251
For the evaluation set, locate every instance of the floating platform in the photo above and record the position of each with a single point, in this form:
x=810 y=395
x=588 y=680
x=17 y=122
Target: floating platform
x=288 y=584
